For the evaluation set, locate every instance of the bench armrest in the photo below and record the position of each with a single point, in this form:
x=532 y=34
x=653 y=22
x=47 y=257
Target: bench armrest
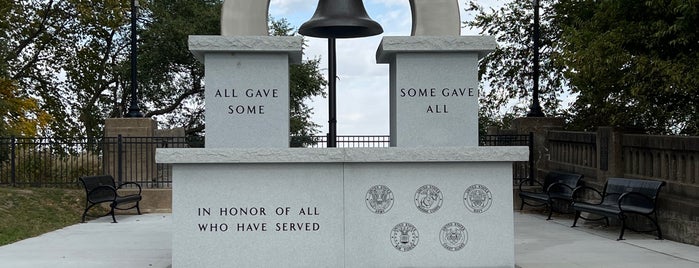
x=130 y=183
x=101 y=193
x=530 y=181
x=580 y=189
x=633 y=198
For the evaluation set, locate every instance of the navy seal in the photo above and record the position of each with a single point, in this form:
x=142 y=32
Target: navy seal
x=379 y=199
x=404 y=237
x=478 y=198
x=453 y=236
x=428 y=199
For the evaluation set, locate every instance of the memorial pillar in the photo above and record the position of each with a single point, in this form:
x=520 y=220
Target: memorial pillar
x=433 y=88
x=247 y=88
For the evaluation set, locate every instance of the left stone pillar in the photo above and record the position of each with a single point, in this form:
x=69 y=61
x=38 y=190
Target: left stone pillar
x=247 y=88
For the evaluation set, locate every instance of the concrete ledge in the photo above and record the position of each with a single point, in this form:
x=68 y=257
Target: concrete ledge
x=342 y=155
x=390 y=45
x=201 y=44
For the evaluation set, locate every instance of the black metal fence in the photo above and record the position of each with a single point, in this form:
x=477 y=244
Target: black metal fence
x=43 y=162
x=352 y=141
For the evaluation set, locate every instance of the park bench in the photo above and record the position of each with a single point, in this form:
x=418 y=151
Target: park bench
x=556 y=186
x=102 y=189
x=620 y=198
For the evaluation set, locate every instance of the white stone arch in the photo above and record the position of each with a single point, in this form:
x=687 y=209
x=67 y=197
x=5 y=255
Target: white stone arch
x=429 y=17
x=244 y=17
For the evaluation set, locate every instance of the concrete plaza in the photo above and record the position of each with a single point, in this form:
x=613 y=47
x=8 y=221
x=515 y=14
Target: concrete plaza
x=145 y=241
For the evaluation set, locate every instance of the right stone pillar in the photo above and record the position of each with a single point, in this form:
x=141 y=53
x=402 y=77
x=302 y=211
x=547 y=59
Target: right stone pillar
x=434 y=88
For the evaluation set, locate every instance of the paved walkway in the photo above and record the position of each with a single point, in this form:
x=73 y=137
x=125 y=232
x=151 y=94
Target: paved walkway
x=548 y=244
x=145 y=241
x=136 y=241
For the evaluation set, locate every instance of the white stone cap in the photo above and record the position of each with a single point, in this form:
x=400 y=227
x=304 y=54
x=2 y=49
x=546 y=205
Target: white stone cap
x=390 y=45
x=202 y=44
x=342 y=155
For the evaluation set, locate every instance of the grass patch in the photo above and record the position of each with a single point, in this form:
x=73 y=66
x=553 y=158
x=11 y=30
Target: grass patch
x=29 y=212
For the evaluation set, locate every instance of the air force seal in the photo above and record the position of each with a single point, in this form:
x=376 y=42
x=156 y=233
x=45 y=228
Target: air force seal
x=478 y=198
x=453 y=236
x=379 y=199
x=428 y=199
x=404 y=237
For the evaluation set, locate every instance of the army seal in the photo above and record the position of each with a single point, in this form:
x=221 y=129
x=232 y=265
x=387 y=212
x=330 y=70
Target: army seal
x=478 y=198
x=404 y=237
x=453 y=236
x=428 y=199
x=379 y=199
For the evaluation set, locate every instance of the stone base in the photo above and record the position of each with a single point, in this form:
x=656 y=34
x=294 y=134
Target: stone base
x=357 y=207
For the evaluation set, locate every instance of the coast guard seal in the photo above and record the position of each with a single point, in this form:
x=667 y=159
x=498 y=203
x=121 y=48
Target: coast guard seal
x=379 y=199
x=428 y=199
x=453 y=236
x=478 y=198
x=404 y=237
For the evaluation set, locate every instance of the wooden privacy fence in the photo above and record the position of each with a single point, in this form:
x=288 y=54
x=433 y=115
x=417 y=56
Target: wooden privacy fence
x=609 y=153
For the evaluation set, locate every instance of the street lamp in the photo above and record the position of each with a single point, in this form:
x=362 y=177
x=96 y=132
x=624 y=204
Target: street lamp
x=535 y=109
x=134 y=110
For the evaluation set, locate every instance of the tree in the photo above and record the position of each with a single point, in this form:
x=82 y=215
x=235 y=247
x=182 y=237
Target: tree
x=19 y=116
x=72 y=58
x=507 y=71
x=31 y=38
x=633 y=63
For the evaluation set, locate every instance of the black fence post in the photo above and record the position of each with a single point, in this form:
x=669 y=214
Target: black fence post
x=13 y=170
x=532 y=166
x=119 y=159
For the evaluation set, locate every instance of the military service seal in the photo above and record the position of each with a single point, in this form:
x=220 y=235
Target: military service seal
x=478 y=198
x=428 y=199
x=404 y=237
x=379 y=199
x=453 y=236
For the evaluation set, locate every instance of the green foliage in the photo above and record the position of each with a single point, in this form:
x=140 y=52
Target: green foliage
x=507 y=71
x=633 y=63
x=629 y=63
x=73 y=58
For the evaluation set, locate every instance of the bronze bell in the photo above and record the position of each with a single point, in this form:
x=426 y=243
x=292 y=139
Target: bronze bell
x=340 y=19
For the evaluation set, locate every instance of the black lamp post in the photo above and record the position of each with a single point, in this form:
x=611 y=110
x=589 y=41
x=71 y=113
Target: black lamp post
x=338 y=19
x=535 y=109
x=134 y=110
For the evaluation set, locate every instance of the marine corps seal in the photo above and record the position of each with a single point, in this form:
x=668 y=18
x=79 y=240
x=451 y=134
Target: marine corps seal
x=404 y=237
x=428 y=199
x=453 y=236
x=478 y=198
x=379 y=199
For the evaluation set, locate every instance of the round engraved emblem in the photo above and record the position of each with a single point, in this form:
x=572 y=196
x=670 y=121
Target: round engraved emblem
x=404 y=237
x=478 y=198
x=453 y=236
x=428 y=199
x=379 y=199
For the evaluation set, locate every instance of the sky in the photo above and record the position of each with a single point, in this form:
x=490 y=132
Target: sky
x=362 y=88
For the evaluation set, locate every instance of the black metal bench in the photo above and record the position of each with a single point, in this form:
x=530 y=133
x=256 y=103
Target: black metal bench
x=102 y=189
x=556 y=186
x=621 y=197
